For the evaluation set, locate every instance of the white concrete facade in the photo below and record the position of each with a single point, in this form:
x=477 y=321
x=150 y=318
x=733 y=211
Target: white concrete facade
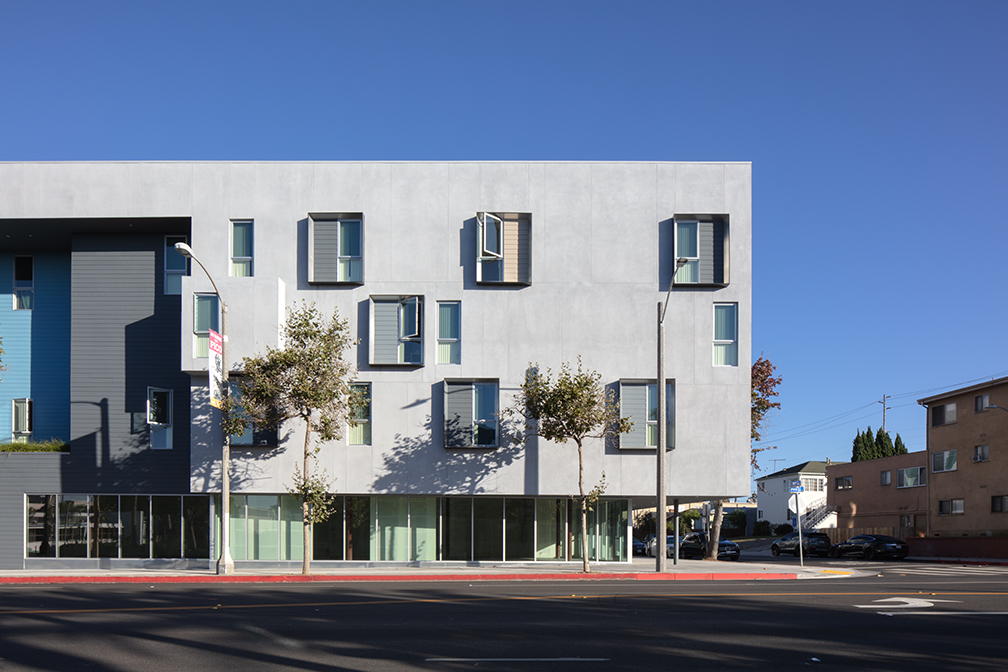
x=602 y=252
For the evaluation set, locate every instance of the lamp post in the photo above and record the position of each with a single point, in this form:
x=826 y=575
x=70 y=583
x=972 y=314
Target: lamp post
x=225 y=564
x=661 y=543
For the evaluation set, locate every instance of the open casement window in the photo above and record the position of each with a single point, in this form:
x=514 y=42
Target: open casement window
x=241 y=248
x=206 y=316
x=21 y=422
x=449 y=332
x=702 y=240
x=360 y=416
x=24 y=283
x=639 y=402
x=159 y=417
x=336 y=248
x=471 y=414
x=504 y=248
x=175 y=265
x=397 y=330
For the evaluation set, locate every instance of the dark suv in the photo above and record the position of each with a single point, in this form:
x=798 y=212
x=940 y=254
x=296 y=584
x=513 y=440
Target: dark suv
x=813 y=543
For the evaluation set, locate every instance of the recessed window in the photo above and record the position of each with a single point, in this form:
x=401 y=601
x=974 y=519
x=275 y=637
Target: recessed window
x=950 y=507
x=250 y=435
x=885 y=477
x=943 y=414
x=449 y=332
x=176 y=266
x=24 y=283
x=702 y=240
x=725 y=334
x=21 y=422
x=159 y=417
x=639 y=402
x=943 y=461
x=397 y=330
x=999 y=504
x=470 y=414
x=504 y=248
x=360 y=415
x=911 y=477
x=981 y=403
x=981 y=453
x=205 y=317
x=241 y=248
x=336 y=248
x=844 y=482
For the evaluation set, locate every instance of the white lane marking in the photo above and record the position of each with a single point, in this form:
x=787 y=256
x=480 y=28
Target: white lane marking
x=908 y=602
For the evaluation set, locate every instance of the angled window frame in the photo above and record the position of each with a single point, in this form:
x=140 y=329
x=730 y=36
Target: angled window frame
x=242 y=265
x=409 y=330
x=340 y=265
x=201 y=332
x=22 y=420
x=690 y=273
x=503 y=248
x=176 y=266
x=159 y=417
x=629 y=388
x=483 y=424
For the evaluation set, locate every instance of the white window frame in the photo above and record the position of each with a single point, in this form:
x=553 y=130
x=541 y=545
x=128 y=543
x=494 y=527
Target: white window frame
x=723 y=342
x=901 y=477
x=945 y=459
x=690 y=273
x=450 y=340
x=171 y=272
x=160 y=432
x=341 y=255
x=251 y=257
x=981 y=452
x=354 y=420
x=23 y=288
x=25 y=435
x=488 y=220
x=844 y=483
x=415 y=312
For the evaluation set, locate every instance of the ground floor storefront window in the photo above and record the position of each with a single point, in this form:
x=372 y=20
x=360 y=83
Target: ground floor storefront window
x=361 y=528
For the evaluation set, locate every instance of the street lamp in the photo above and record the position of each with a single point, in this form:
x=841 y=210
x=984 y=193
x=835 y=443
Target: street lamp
x=225 y=564
x=661 y=543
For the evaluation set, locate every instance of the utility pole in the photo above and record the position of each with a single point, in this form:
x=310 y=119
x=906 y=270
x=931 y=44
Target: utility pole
x=884 y=409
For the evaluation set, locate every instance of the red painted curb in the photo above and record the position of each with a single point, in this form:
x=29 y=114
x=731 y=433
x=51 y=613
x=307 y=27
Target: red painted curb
x=320 y=578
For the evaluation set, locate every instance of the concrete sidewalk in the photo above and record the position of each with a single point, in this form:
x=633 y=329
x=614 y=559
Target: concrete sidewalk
x=641 y=569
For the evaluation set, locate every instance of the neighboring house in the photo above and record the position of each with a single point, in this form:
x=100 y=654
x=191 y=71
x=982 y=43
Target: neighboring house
x=455 y=278
x=885 y=492
x=776 y=503
x=967 y=457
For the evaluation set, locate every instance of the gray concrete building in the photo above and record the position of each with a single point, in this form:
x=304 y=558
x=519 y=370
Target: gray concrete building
x=454 y=276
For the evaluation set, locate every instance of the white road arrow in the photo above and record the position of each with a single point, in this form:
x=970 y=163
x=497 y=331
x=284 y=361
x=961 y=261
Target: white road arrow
x=908 y=603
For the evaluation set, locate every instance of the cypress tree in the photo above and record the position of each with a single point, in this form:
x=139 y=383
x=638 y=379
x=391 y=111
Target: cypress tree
x=857 y=452
x=899 y=448
x=870 y=449
x=884 y=444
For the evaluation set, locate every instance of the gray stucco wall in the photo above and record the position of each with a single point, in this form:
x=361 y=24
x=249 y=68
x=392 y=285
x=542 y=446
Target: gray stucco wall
x=601 y=257
x=21 y=473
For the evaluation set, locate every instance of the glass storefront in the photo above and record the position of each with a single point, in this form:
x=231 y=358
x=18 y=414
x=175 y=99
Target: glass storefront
x=361 y=528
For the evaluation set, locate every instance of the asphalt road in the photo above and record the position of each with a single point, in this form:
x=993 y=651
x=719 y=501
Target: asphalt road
x=891 y=616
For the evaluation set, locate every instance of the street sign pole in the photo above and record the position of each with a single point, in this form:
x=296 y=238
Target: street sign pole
x=797 y=489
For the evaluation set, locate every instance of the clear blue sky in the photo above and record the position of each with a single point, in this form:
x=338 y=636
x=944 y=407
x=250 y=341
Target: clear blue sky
x=876 y=132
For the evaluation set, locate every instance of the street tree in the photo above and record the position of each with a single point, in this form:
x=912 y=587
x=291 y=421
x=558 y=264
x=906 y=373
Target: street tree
x=572 y=407
x=308 y=379
x=763 y=393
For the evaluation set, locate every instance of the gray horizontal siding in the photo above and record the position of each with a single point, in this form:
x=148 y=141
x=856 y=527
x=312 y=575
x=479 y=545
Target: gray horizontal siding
x=20 y=474
x=458 y=415
x=386 y=332
x=325 y=246
x=633 y=405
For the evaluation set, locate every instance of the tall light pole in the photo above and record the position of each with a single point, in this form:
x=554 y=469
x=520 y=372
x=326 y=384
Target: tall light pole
x=661 y=542
x=225 y=564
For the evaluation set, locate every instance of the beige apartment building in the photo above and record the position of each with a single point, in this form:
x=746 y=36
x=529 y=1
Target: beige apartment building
x=967 y=460
x=888 y=492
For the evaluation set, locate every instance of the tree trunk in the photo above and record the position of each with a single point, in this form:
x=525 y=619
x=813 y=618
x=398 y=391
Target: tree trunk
x=715 y=532
x=305 y=513
x=584 y=510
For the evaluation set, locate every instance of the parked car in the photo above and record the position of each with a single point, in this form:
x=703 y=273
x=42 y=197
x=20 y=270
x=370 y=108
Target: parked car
x=812 y=543
x=669 y=546
x=695 y=546
x=871 y=547
x=639 y=548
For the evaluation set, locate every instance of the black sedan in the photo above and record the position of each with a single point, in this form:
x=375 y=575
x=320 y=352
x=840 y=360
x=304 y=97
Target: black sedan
x=812 y=543
x=695 y=546
x=871 y=547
